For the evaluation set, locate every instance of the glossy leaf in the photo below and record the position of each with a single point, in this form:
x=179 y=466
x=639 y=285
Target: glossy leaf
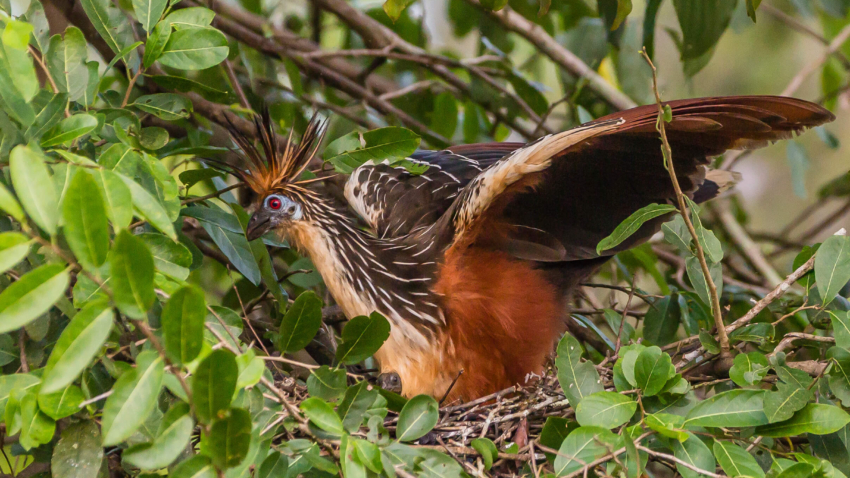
x=133 y=398
x=301 y=322
x=230 y=439
x=605 y=410
x=14 y=246
x=183 y=324
x=578 y=379
x=77 y=346
x=662 y=320
x=354 y=404
x=652 y=370
x=170 y=441
x=34 y=187
x=361 y=337
x=749 y=369
x=736 y=461
x=418 y=417
x=194 y=49
x=390 y=143
x=734 y=408
x=66 y=60
x=167 y=106
x=694 y=452
x=169 y=257
x=326 y=383
x=322 y=415
x=214 y=384
x=79 y=453
x=85 y=223
x=31 y=295
x=69 y=129
x=132 y=273
x=61 y=404
x=832 y=266
x=582 y=446
x=815 y=418
x=631 y=224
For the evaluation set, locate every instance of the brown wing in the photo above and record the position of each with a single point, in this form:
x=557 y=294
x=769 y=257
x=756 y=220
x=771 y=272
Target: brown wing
x=590 y=184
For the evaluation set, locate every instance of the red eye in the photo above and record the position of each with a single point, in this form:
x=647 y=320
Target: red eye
x=274 y=203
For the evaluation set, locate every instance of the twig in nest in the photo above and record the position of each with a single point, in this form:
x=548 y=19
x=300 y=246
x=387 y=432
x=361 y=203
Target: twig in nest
x=451 y=386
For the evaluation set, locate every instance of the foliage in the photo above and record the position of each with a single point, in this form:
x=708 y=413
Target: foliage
x=142 y=334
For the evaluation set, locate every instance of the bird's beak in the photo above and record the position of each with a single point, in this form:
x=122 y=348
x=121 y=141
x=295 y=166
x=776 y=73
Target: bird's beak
x=258 y=225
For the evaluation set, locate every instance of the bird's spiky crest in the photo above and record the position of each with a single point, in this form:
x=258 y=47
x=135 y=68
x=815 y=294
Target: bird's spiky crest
x=272 y=169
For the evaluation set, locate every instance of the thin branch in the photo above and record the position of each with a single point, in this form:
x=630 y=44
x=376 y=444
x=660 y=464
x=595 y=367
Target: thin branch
x=568 y=60
x=684 y=463
x=683 y=210
x=834 y=45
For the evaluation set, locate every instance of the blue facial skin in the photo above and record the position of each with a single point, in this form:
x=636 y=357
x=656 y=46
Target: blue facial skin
x=275 y=210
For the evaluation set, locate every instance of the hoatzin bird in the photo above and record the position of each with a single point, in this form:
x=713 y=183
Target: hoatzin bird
x=472 y=262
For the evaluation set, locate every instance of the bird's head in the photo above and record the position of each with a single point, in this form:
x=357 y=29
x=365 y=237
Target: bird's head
x=274 y=175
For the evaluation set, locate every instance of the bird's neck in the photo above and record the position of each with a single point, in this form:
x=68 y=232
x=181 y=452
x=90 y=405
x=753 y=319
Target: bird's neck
x=365 y=273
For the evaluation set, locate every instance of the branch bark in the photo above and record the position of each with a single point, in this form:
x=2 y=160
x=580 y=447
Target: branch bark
x=568 y=60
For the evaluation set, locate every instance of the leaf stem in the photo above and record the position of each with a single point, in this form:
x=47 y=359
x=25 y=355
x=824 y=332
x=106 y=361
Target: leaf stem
x=723 y=338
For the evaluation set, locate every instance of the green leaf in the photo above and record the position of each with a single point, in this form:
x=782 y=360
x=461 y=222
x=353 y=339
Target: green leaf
x=798 y=161
x=149 y=207
x=78 y=454
x=394 y=8
x=605 y=410
x=48 y=117
x=190 y=17
x=832 y=266
x=444 y=116
x=578 y=379
x=79 y=343
x=237 y=249
x=668 y=425
x=195 y=49
x=117 y=197
x=662 y=320
x=698 y=279
x=110 y=22
x=631 y=224
x=214 y=384
x=169 y=257
x=815 y=418
x=736 y=461
x=582 y=446
x=752 y=6
x=69 y=129
x=14 y=246
x=528 y=93
x=148 y=12
x=170 y=441
x=15 y=39
x=390 y=143
x=487 y=449
x=652 y=370
x=354 y=404
x=34 y=187
x=66 y=61
x=702 y=23
x=734 y=408
x=322 y=415
x=300 y=323
x=418 y=417
x=10 y=205
x=18 y=83
x=749 y=369
x=155 y=44
x=183 y=324
x=327 y=383
x=197 y=466
x=31 y=296
x=361 y=337
x=61 y=404
x=167 y=106
x=839 y=374
x=85 y=223
x=368 y=454
x=275 y=465
x=694 y=452
x=15 y=382
x=708 y=341
x=36 y=427
x=230 y=439
x=133 y=398
x=132 y=274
